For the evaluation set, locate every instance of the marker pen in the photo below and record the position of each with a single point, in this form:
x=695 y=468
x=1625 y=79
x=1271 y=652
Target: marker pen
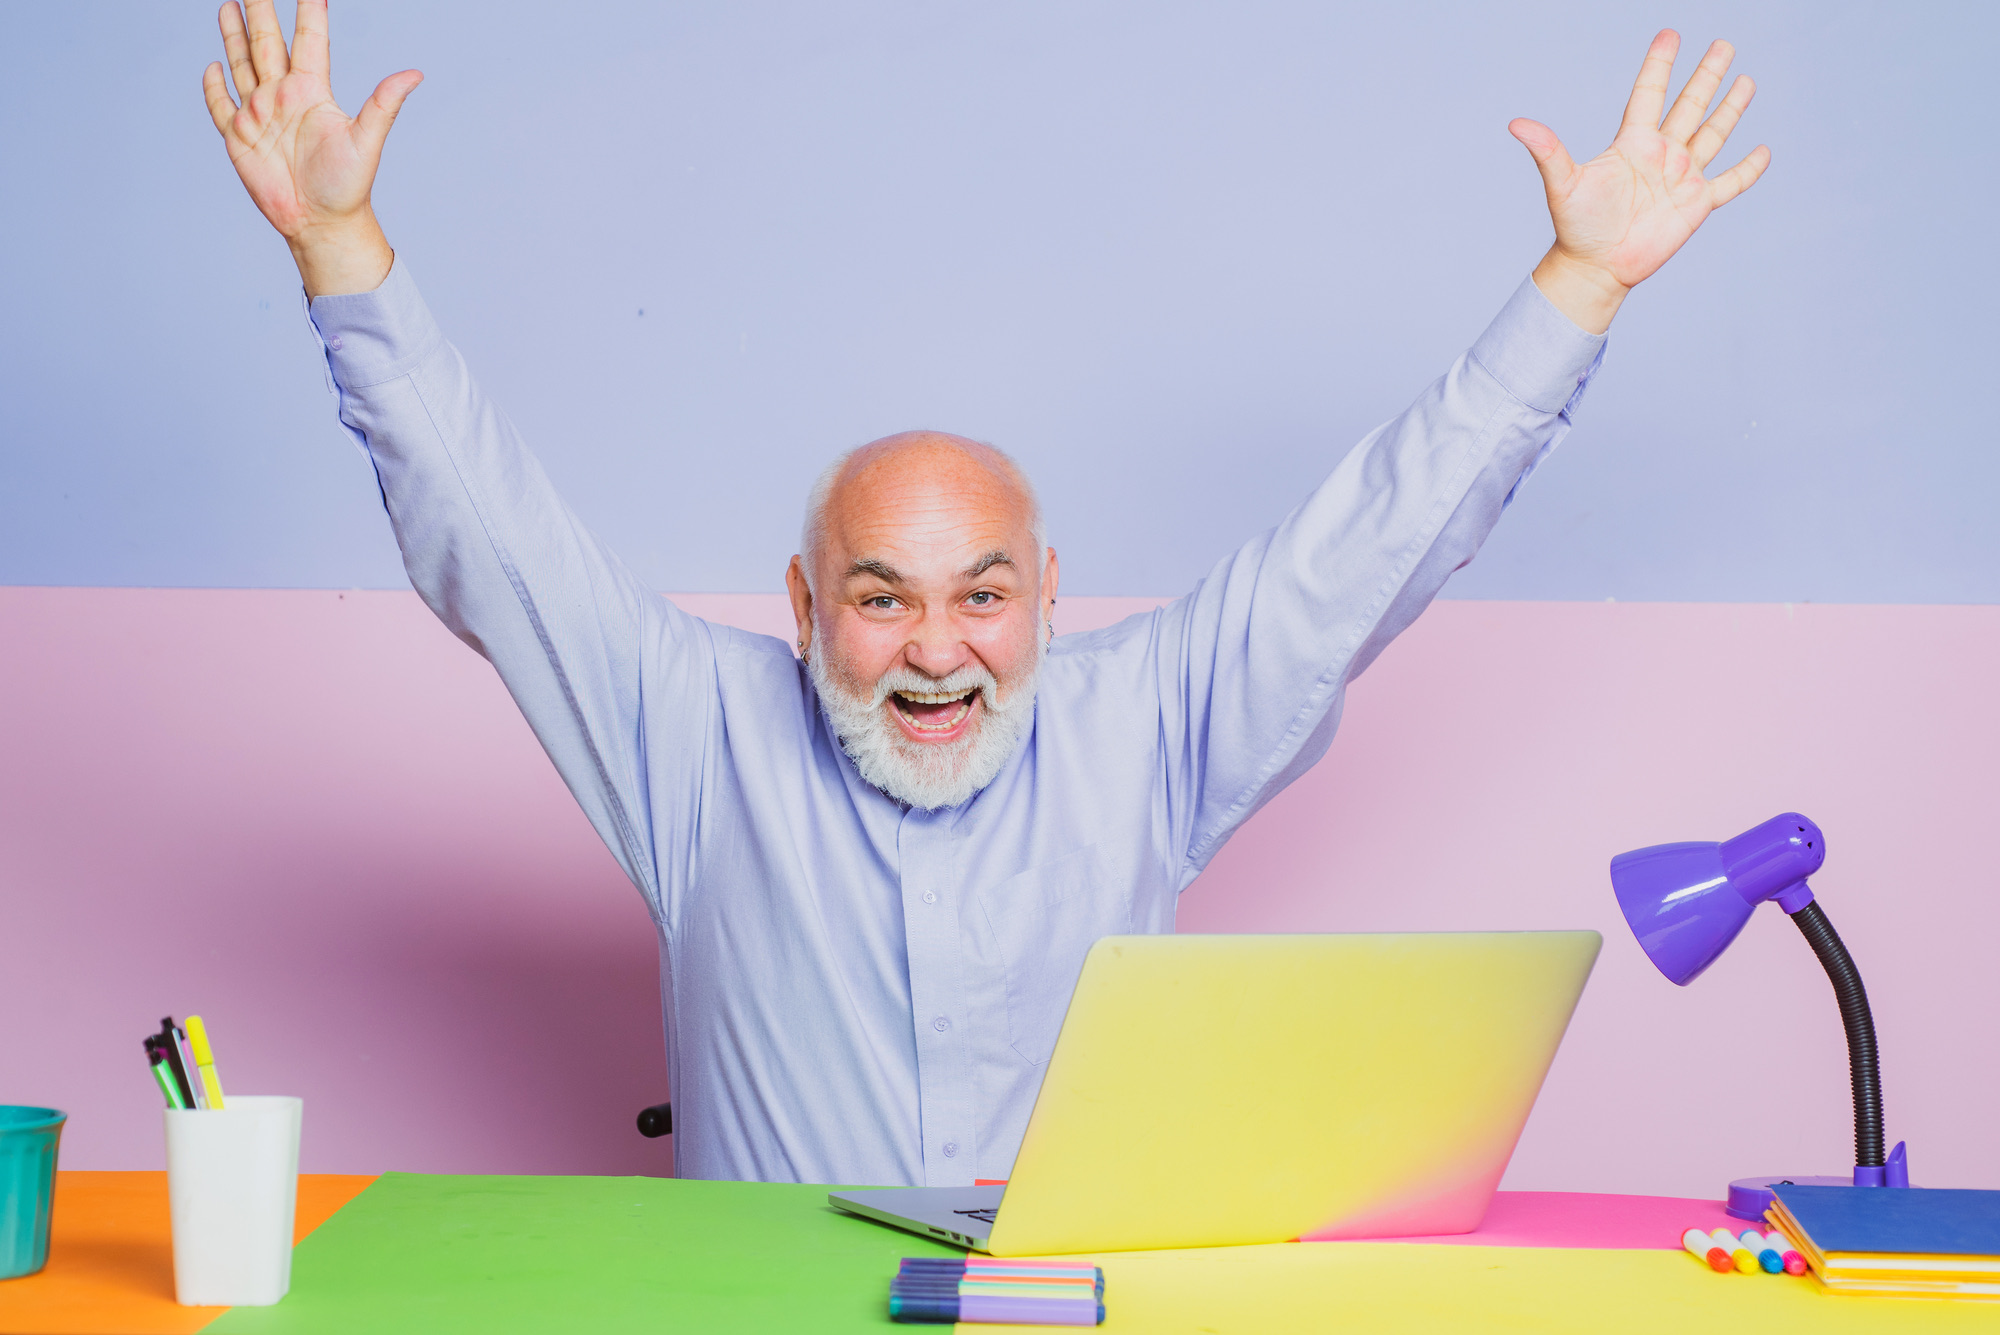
x=1768 y=1256
x=1795 y=1264
x=1740 y=1256
x=164 y=1077
x=1706 y=1251
x=169 y=1045
x=204 y=1060
x=188 y=1072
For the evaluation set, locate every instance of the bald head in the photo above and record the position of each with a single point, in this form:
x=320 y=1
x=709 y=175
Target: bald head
x=921 y=481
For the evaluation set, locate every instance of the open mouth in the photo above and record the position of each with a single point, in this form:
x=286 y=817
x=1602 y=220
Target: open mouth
x=934 y=715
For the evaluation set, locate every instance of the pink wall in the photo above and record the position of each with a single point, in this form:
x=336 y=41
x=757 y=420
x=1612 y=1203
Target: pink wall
x=316 y=818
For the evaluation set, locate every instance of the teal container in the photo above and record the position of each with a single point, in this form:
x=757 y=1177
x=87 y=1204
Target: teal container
x=28 y=1139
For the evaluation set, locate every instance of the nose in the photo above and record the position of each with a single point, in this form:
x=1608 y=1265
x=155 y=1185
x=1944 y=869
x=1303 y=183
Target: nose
x=935 y=648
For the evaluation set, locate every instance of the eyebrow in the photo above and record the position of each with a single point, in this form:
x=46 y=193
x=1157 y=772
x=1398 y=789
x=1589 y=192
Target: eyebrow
x=881 y=570
x=996 y=557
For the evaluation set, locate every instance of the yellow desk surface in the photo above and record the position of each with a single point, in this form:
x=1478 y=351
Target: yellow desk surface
x=1368 y=1287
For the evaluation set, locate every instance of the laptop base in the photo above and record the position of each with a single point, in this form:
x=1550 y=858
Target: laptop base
x=961 y=1216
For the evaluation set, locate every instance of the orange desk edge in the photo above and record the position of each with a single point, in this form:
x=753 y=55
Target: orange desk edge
x=111 y=1258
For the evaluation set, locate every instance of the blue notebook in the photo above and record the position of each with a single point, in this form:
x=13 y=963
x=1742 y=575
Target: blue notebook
x=1932 y=1221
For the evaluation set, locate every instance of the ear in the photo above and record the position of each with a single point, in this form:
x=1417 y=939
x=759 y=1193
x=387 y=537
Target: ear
x=1050 y=574
x=802 y=603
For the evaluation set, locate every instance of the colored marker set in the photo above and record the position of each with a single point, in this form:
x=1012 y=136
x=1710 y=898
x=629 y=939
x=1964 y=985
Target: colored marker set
x=184 y=1065
x=1750 y=1253
x=1035 y=1292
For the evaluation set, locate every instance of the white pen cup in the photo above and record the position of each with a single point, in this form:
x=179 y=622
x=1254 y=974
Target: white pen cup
x=232 y=1186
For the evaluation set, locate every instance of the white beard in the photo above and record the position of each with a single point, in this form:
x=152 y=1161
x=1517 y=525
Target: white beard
x=928 y=775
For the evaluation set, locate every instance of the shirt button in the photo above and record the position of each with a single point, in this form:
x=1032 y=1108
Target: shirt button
x=930 y=896
x=940 y=1024
x=950 y=1148
x=333 y=341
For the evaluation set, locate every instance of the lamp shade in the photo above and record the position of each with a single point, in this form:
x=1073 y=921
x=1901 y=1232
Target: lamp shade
x=1687 y=902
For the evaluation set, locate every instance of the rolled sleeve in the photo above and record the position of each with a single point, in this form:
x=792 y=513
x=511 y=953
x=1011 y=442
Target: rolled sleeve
x=1537 y=353
x=374 y=337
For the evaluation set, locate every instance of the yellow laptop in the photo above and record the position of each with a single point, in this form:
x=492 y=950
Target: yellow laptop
x=1214 y=1090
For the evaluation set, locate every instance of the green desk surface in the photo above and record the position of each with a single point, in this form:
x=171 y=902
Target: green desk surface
x=492 y=1254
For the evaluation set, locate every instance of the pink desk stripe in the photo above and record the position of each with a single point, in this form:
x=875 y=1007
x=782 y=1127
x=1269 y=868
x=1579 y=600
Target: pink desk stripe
x=1584 y=1219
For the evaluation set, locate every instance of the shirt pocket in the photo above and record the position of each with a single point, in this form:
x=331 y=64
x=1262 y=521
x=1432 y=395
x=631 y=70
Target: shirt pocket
x=1045 y=921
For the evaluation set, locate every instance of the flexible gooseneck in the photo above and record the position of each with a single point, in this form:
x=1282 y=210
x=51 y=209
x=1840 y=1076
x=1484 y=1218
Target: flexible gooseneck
x=1854 y=1014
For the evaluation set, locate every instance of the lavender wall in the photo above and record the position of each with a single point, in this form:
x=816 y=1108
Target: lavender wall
x=316 y=818
x=1177 y=255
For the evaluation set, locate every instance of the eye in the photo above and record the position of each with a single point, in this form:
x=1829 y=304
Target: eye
x=882 y=602
x=984 y=598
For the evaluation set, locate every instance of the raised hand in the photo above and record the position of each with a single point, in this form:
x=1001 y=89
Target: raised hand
x=308 y=166
x=1624 y=213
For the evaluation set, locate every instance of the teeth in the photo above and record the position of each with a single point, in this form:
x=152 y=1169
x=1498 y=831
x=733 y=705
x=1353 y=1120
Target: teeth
x=945 y=726
x=932 y=697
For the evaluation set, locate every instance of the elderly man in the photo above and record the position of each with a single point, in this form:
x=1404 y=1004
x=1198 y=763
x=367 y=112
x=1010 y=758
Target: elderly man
x=876 y=867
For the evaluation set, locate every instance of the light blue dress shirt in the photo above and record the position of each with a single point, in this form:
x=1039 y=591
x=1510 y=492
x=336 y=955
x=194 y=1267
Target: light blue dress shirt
x=856 y=992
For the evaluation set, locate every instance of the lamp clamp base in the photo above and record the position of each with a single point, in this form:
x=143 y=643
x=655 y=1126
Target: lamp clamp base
x=1750 y=1197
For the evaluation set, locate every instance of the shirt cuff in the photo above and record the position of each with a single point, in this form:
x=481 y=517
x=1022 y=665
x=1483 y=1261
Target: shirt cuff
x=371 y=337
x=1537 y=353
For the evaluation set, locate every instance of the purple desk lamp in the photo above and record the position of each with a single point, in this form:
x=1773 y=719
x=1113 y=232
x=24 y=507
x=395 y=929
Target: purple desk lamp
x=1687 y=902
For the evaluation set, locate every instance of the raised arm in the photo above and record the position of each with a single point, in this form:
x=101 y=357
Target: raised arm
x=597 y=662
x=1255 y=662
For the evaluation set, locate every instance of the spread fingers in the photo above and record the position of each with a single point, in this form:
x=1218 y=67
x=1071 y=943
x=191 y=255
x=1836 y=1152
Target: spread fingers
x=1692 y=104
x=215 y=91
x=1739 y=178
x=1649 y=91
x=236 y=46
x=309 y=39
x=267 y=41
x=1714 y=131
